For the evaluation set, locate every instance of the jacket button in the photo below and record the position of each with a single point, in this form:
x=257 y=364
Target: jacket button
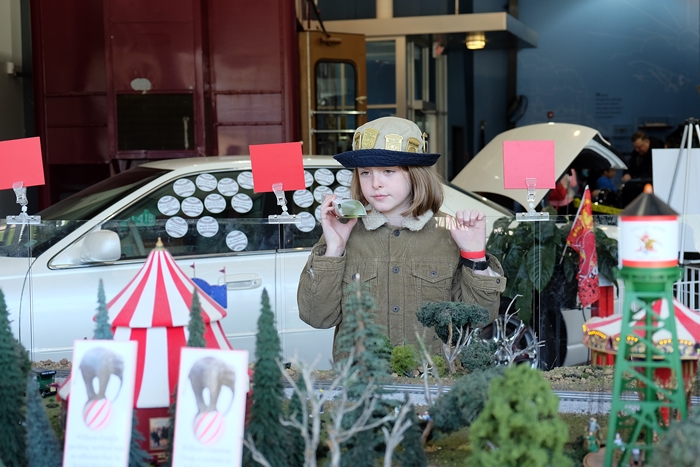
x=395 y=309
x=498 y=281
x=397 y=233
x=433 y=274
x=396 y=269
x=355 y=276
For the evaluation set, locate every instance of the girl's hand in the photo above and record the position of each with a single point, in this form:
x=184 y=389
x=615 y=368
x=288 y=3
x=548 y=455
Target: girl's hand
x=335 y=232
x=468 y=229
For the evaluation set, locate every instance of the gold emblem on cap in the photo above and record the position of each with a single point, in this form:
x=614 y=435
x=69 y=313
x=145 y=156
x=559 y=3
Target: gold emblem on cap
x=412 y=145
x=393 y=142
x=425 y=142
x=357 y=141
x=369 y=138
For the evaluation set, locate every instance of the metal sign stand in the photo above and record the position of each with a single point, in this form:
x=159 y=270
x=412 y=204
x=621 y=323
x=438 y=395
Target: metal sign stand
x=285 y=217
x=23 y=217
x=531 y=215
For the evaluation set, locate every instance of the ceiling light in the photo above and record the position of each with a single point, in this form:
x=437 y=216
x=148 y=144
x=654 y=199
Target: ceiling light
x=476 y=41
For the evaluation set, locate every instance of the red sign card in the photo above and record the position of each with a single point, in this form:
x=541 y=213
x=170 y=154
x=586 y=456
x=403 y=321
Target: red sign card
x=528 y=159
x=20 y=161
x=277 y=163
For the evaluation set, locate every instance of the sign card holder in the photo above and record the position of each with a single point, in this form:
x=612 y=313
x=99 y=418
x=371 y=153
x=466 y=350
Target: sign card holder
x=529 y=165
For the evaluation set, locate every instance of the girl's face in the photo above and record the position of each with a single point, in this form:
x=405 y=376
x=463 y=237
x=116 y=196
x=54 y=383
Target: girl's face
x=388 y=189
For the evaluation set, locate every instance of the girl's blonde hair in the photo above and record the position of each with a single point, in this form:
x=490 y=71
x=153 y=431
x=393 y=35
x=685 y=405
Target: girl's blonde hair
x=426 y=190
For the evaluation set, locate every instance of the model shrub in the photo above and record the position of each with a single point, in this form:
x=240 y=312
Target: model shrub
x=679 y=447
x=440 y=364
x=520 y=424
x=43 y=448
x=465 y=401
x=478 y=355
x=404 y=360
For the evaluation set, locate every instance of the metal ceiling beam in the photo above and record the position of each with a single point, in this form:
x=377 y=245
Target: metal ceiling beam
x=437 y=24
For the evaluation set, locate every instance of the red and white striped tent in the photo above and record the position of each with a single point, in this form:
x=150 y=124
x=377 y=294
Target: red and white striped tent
x=603 y=334
x=154 y=310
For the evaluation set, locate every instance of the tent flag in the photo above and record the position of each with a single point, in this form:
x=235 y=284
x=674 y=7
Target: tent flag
x=582 y=239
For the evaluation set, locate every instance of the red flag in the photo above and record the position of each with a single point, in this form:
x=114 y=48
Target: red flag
x=582 y=239
x=223 y=271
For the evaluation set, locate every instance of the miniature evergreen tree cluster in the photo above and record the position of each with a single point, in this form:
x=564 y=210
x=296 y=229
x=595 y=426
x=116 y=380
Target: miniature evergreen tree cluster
x=43 y=448
x=453 y=323
x=12 y=388
x=478 y=355
x=465 y=401
x=268 y=393
x=520 y=424
x=679 y=445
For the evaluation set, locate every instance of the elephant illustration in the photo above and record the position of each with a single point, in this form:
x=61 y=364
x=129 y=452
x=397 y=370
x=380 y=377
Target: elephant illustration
x=101 y=363
x=210 y=373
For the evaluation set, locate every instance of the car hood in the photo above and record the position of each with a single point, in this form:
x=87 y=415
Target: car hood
x=484 y=173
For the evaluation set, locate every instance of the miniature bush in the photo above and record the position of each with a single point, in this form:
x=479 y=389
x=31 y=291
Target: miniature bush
x=441 y=364
x=404 y=360
x=465 y=401
x=520 y=424
x=679 y=446
x=478 y=355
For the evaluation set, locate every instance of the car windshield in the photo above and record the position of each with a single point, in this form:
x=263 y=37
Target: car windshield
x=62 y=218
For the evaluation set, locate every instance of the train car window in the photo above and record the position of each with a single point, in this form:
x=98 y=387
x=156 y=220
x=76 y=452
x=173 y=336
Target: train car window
x=153 y=122
x=336 y=111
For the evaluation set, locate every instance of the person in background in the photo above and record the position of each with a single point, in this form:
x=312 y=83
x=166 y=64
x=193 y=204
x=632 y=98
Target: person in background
x=562 y=196
x=639 y=165
x=606 y=180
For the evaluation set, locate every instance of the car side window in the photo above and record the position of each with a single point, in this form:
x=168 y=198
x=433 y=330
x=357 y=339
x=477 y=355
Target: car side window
x=206 y=213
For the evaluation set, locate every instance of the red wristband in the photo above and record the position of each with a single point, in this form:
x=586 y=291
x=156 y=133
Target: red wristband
x=472 y=254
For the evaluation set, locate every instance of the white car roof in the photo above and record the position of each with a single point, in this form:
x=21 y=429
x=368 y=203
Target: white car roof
x=484 y=173
x=196 y=164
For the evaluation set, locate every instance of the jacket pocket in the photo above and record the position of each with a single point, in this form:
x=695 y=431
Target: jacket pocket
x=366 y=272
x=433 y=282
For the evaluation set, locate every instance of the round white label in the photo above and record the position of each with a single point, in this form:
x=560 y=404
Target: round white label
x=241 y=203
x=168 y=205
x=227 y=186
x=344 y=177
x=192 y=206
x=308 y=178
x=317 y=213
x=303 y=198
x=207 y=226
x=183 y=187
x=176 y=227
x=307 y=223
x=320 y=193
x=324 y=177
x=206 y=182
x=236 y=240
x=245 y=180
x=342 y=192
x=215 y=203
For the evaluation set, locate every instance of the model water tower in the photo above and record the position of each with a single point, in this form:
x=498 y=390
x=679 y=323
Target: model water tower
x=649 y=258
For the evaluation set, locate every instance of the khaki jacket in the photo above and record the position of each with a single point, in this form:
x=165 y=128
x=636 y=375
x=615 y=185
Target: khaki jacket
x=405 y=267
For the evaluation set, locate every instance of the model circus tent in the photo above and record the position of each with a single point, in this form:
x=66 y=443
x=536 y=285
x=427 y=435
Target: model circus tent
x=154 y=310
x=603 y=334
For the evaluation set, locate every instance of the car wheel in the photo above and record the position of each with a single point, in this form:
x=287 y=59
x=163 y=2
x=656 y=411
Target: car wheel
x=515 y=342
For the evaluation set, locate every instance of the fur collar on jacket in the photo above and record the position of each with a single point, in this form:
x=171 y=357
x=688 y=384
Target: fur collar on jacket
x=376 y=219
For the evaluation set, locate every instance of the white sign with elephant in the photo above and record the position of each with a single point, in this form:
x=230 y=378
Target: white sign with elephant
x=98 y=429
x=210 y=412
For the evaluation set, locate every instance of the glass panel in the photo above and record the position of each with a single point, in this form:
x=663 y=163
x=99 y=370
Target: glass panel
x=155 y=122
x=335 y=91
x=381 y=72
x=418 y=73
x=373 y=114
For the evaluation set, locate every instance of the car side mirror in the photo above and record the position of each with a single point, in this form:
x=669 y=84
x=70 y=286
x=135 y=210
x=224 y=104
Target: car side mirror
x=100 y=246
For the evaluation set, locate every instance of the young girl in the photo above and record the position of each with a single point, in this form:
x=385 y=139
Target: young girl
x=407 y=251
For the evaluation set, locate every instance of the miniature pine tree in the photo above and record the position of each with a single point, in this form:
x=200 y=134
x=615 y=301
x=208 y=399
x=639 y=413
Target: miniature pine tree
x=196 y=325
x=520 y=424
x=413 y=454
x=43 y=448
x=171 y=431
x=479 y=355
x=294 y=440
x=465 y=401
x=268 y=392
x=679 y=446
x=371 y=361
x=12 y=387
x=137 y=456
x=102 y=328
